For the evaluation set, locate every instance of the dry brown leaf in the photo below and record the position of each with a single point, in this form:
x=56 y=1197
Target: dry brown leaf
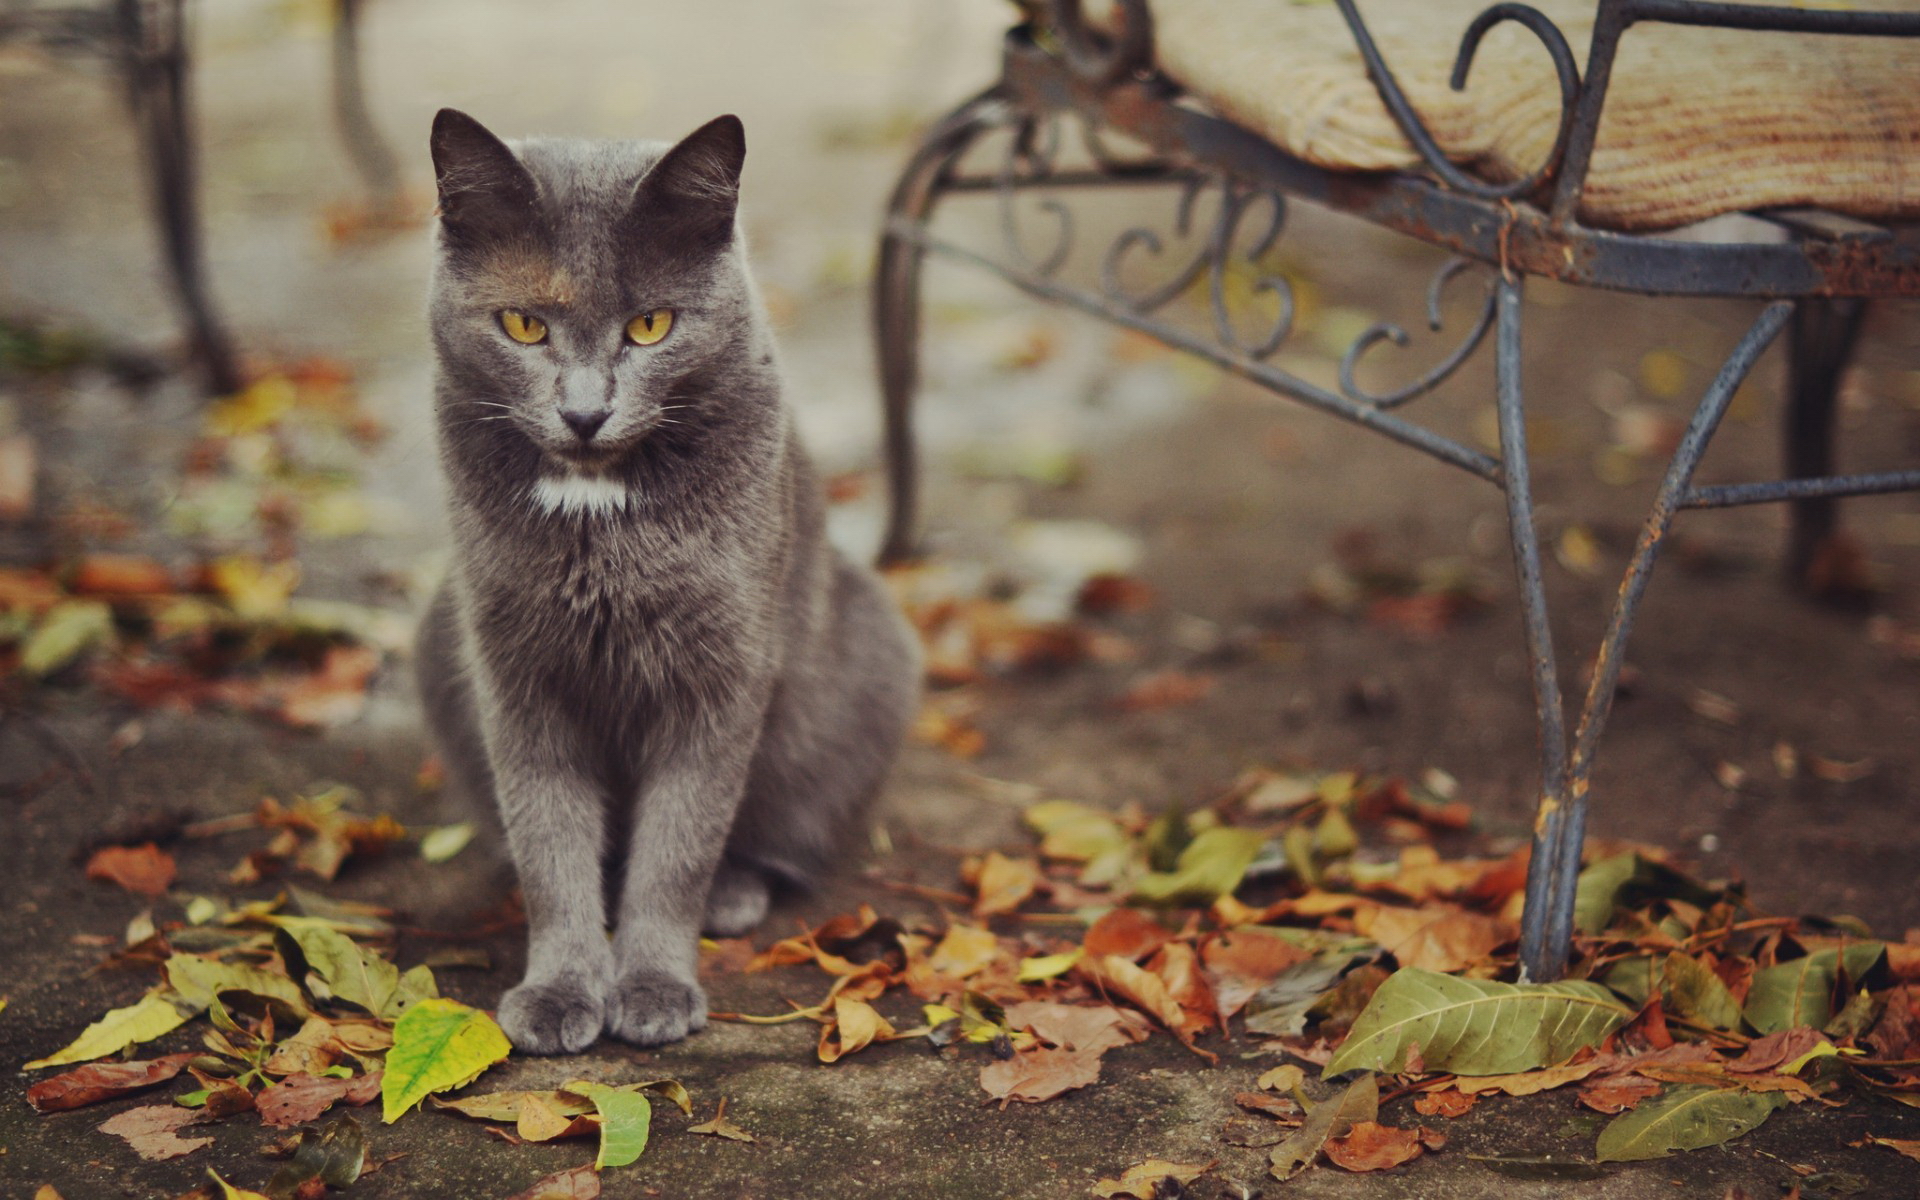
x=1142 y=1182
x=1179 y=968
x=1370 y=1146
x=1272 y=1106
x=102 y=1081
x=1444 y=1102
x=1618 y=1093
x=540 y=1121
x=580 y=1183
x=1004 y=883
x=721 y=1127
x=1908 y=1147
x=1040 y=1074
x=1433 y=938
x=1127 y=932
x=1526 y=1083
x=145 y=869
x=300 y=1098
x=333 y=695
x=1095 y=1028
x=153 y=1131
x=309 y=1051
x=1242 y=961
x=1766 y=1053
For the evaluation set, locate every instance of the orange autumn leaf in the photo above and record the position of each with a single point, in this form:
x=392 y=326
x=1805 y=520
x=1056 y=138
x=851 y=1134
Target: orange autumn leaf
x=856 y=1025
x=1435 y=937
x=965 y=950
x=1370 y=1146
x=1179 y=968
x=120 y=575
x=1126 y=932
x=145 y=869
x=1042 y=1073
x=1618 y=1093
x=1004 y=883
x=1446 y=1102
x=1526 y=1083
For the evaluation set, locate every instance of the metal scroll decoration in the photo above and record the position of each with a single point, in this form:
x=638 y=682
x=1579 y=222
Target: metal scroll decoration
x=1231 y=226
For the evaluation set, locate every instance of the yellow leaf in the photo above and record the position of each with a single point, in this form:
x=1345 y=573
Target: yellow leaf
x=230 y=1192
x=1143 y=1181
x=157 y=1012
x=69 y=629
x=260 y=406
x=964 y=951
x=438 y=1045
x=1033 y=970
x=856 y=1025
x=1663 y=373
x=1004 y=883
x=257 y=591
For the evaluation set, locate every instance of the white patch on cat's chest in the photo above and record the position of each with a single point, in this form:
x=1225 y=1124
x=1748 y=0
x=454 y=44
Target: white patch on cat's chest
x=580 y=494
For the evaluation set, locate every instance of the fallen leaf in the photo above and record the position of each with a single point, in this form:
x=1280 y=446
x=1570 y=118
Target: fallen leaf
x=580 y=1183
x=1358 y=1101
x=230 y=1192
x=119 y=575
x=1766 y=1053
x=1075 y=832
x=1369 y=1146
x=1476 y=1026
x=856 y=1025
x=1445 y=1102
x=300 y=1098
x=1079 y=1026
x=159 y=1011
x=1685 y=1118
x=721 y=1127
x=626 y=1117
x=350 y=972
x=438 y=1045
x=1526 y=1083
x=1435 y=938
x=1688 y=988
x=333 y=695
x=1142 y=1182
x=1126 y=932
x=540 y=1121
x=335 y=1157
x=442 y=843
x=1040 y=1074
x=1280 y=1008
x=200 y=979
x=1165 y=689
x=145 y=869
x=67 y=630
x=1210 y=866
x=1908 y=1147
x=1618 y=1093
x=964 y=950
x=1004 y=883
x=102 y=1081
x=153 y=1131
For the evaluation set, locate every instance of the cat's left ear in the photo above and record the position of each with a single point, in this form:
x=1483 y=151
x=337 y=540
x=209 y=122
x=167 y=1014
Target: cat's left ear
x=695 y=187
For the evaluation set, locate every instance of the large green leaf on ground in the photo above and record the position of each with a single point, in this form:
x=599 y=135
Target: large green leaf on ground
x=1685 y=1118
x=159 y=1011
x=1690 y=989
x=1209 y=867
x=438 y=1045
x=625 y=1120
x=1794 y=993
x=1476 y=1026
x=1626 y=879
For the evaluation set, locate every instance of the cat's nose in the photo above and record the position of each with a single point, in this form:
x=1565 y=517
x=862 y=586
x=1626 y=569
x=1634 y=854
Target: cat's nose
x=584 y=424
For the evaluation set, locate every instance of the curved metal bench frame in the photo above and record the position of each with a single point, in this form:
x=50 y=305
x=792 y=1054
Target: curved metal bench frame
x=1815 y=284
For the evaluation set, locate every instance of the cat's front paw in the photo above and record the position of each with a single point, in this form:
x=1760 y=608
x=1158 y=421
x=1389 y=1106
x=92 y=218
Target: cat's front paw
x=553 y=1016
x=649 y=1008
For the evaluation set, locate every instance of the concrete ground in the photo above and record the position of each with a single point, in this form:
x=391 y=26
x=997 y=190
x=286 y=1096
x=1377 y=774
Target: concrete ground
x=1237 y=501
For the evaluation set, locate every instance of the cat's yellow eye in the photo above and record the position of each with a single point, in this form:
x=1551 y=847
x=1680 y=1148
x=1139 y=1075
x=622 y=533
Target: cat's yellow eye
x=528 y=331
x=649 y=327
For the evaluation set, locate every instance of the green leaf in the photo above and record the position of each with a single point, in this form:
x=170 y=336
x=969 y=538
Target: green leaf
x=442 y=843
x=625 y=1118
x=70 y=629
x=1634 y=979
x=1597 y=891
x=1685 y=1118
x=1476 y=1026
x=1076 y=832
x=1794 y=993
x=1209 y=867
x=349 y=971
x=438 y=1045
x=1688 y=988
x=200 y=979
x=159 y=1011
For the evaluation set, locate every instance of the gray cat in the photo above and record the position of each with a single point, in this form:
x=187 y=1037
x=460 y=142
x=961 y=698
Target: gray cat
x=678 y=694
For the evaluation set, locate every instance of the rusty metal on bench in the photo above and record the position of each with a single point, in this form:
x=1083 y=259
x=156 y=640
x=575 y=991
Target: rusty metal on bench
x=1815 y=283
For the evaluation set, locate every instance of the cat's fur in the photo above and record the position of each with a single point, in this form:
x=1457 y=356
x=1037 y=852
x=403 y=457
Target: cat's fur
x=647 y=654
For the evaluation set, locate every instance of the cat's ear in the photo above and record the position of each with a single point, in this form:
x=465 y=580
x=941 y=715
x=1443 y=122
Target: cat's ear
x=484 y=190
x=695 y=187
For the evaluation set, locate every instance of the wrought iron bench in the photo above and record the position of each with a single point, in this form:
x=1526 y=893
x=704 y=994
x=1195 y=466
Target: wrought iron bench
x=1115 y=77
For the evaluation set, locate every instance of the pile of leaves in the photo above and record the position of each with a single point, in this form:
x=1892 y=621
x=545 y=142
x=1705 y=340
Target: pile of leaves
x=220 y=626
x=1376 y=963
x=304 y=1013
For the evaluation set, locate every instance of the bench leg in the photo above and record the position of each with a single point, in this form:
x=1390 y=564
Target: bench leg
x=371 y=155
x=896 y=305
x=1819 y=343
x=153 y=35
x=1547 y=925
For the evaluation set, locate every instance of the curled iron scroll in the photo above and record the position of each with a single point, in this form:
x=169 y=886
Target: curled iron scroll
x=1536 y=23
x=1030 y=156
x=1388 y=332
x=1103 y=58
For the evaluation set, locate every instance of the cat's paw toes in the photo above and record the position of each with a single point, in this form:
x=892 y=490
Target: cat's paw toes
x=555 y=1016
x=736 y=903
x=649 y=1008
